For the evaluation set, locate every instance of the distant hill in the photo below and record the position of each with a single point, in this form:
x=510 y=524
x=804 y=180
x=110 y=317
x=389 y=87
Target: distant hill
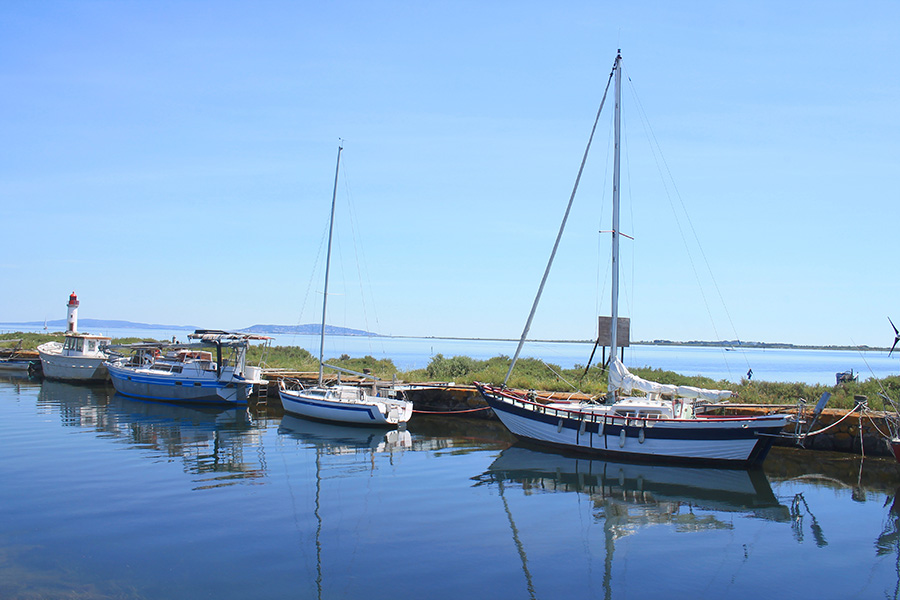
x=308 y=329
x=87 y=324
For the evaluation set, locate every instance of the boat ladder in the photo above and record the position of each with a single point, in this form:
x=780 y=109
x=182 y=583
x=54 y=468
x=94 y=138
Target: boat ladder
x=262 y=401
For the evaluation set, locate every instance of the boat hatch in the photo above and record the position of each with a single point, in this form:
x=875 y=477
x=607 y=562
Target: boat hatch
x=640 y=414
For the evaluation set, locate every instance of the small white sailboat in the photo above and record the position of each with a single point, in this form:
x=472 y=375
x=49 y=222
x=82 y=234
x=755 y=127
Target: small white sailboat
x=79 y=357
x=373 y=404
x=665 y=423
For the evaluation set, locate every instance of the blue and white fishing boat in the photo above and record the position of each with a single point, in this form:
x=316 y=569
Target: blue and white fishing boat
x=213 y=369
x=377 y=403
x=664 y=423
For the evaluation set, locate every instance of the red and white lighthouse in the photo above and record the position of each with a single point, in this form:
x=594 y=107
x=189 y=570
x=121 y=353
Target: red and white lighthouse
x=72 y=314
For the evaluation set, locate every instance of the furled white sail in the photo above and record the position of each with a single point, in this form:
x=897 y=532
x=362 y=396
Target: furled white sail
x=620 y=378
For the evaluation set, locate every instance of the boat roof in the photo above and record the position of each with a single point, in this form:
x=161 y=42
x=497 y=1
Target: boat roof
x=225 y=337
x=199 y=338
x=87 y=335
x=147 y=345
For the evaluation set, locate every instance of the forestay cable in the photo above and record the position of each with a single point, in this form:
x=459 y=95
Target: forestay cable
x=562 y=228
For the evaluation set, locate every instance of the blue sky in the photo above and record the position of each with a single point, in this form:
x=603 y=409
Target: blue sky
x=173 y=162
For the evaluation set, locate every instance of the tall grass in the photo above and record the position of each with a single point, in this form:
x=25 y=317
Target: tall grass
x=30 y=341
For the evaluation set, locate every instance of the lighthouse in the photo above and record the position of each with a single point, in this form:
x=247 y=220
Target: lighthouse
x=72 y=314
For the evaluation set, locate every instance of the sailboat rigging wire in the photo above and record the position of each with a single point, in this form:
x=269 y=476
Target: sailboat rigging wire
x=362 y=267
x=564 y=380
x=562 y=228
x=661 y=162
x=312 y=275
x=884 y=393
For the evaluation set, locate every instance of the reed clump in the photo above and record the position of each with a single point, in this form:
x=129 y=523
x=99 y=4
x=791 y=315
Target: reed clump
x=31 y=341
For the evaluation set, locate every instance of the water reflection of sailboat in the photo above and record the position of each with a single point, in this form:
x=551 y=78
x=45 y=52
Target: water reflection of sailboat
x=342 y=438
x=644 y=485
x=629 y=497
x=331 y=439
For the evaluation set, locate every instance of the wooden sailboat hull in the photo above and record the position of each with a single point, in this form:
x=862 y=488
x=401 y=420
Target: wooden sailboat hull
x=723 y=441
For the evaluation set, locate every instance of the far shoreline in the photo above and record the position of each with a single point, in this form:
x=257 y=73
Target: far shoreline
x=731 y=345
x=700 y=344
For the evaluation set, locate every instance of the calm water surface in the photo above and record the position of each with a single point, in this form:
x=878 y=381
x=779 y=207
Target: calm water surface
x=105 y=497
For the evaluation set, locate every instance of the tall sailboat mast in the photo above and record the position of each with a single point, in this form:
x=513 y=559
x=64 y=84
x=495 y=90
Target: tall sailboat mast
x=614 y=323
x=328 y=266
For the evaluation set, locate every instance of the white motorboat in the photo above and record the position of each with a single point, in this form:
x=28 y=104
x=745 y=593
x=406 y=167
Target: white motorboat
x=664 y=423
x=213 y=369
x=79 y=357
x=376 y=404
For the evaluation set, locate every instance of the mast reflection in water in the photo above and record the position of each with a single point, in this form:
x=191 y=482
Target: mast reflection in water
x=626 y=498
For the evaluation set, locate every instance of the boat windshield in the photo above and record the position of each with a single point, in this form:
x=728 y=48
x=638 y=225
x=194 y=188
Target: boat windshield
x=74 y=343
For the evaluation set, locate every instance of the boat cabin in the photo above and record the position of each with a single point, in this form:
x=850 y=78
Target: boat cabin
x=642 y=414
x=643 y=408
x=84 y=345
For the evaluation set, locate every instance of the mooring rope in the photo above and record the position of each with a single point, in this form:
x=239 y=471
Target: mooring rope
x=446 y=412
x=832 y=425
